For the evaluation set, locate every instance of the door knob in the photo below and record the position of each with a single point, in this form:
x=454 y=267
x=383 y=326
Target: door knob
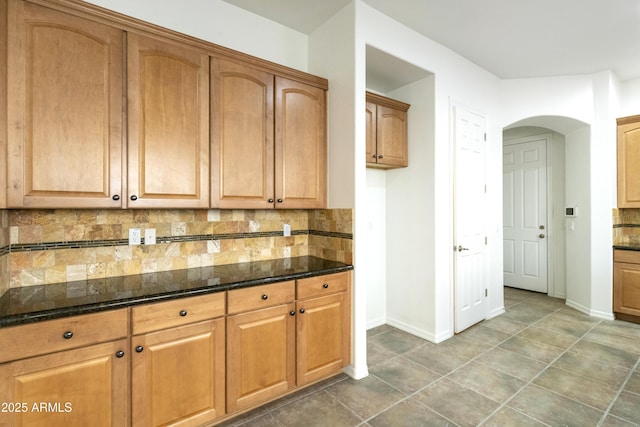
x=541 y=236
x=460 y=249
x=542 y=227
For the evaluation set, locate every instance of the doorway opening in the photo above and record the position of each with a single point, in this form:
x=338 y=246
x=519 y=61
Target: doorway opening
x=534 y=243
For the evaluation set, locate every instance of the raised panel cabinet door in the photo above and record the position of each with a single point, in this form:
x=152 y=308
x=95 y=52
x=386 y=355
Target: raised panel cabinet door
x=628 y=161
x=64 y=87
x=301 y=145
x=241 y=136
x=391 y=136
x=83 y=387
x=168 y=118
x=178 y=375
x=626 y=288
x=372 y=153
x=322 y=337
x=261 y=356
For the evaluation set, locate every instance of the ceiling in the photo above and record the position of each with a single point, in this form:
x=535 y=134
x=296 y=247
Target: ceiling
x=509 y=38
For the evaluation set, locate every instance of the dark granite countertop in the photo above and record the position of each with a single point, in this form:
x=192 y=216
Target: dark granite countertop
x=630 y=247
x=43 y=302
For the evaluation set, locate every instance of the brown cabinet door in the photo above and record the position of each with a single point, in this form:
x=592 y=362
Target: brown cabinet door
x=64 y=86
x=323 y=337
x=178 y=375
x=372 y=153
x=626 y=288
x=260 y=356
x=241 y=136
x=82 y=387
x=300 y=145
x=168 y=117
x=628 y=161
x=391 y=136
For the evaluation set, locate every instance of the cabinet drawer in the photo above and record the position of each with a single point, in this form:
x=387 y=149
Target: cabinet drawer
x=62 y=334
x=182 y=311
x=257 y=297
x=322 y=285
x=620 y=255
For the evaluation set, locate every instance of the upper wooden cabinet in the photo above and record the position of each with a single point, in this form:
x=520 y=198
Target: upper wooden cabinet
x=386 y=132
x=628 y=161
x=168 y=117
x=268 y=140
x=106 y=111
x=241 y=136
x=64 y=85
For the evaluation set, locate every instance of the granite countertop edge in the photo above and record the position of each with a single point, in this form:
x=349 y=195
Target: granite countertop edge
x=630 y=247
x=151 y=296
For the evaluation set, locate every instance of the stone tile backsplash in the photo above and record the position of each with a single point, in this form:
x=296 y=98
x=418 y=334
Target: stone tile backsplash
x=51 y=246
x=626 y=227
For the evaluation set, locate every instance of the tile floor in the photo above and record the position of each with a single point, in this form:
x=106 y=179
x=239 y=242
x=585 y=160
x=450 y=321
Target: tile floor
x=541 y=363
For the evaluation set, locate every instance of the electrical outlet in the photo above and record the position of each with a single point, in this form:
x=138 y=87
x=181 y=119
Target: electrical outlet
x=134 y=236
x=286 y=230
x=149 y=236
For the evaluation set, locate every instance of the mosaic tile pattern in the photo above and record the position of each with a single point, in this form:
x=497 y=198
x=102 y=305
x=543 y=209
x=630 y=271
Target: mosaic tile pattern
x=51 y=246
x=626 y=227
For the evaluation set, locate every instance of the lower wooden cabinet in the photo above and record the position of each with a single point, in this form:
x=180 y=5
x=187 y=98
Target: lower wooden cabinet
x=260 y=356
x=183 y=362
x=626 y=284
x=178 y=375
x=88 y=386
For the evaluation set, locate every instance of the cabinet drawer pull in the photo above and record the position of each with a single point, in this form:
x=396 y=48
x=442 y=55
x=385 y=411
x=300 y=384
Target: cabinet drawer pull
x=279 y=200
x=116 y=197
x=265 y=296
x=292 y=313
x=270 y=200
x=326 y=286
x=302 y=310
x=120 y=354
x=139 y=349
x=134 y=197
x=183 y=313
x=67 y=335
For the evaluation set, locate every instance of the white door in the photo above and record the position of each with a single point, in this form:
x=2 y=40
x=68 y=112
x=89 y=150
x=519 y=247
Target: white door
x=525 y=215
x=469 y=219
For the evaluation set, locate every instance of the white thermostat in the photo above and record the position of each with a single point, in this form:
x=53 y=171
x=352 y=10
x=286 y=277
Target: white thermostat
x=571 y=212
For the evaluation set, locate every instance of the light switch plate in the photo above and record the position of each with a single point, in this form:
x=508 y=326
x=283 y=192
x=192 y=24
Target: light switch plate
x=286 y=231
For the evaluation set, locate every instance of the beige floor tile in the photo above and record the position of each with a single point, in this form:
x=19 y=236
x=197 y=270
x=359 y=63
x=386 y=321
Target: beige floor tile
x=553 y=409
x=457 y=403
x=577 y=387
x=404 y=374
x=488 y=382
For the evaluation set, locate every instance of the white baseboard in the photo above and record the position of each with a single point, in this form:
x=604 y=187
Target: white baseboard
x=588 y=311
x=495 y=312
x=421 y=333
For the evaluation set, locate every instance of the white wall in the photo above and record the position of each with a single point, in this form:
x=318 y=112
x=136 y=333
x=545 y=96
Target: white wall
x=629 y=98
x=221 y=23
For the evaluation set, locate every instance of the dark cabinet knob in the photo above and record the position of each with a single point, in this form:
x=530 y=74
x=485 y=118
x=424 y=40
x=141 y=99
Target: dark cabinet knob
x=292 y=313
x=380 y=156
x=139 y=349
x=270 y=200
x=120 y=354
x=279 y=200
x=67 y=335
x=265 y=296
x=326 y=285
x=116 y=197
x=183 y=313
x=134 y=197
x=375 y=156
x=302 y=310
